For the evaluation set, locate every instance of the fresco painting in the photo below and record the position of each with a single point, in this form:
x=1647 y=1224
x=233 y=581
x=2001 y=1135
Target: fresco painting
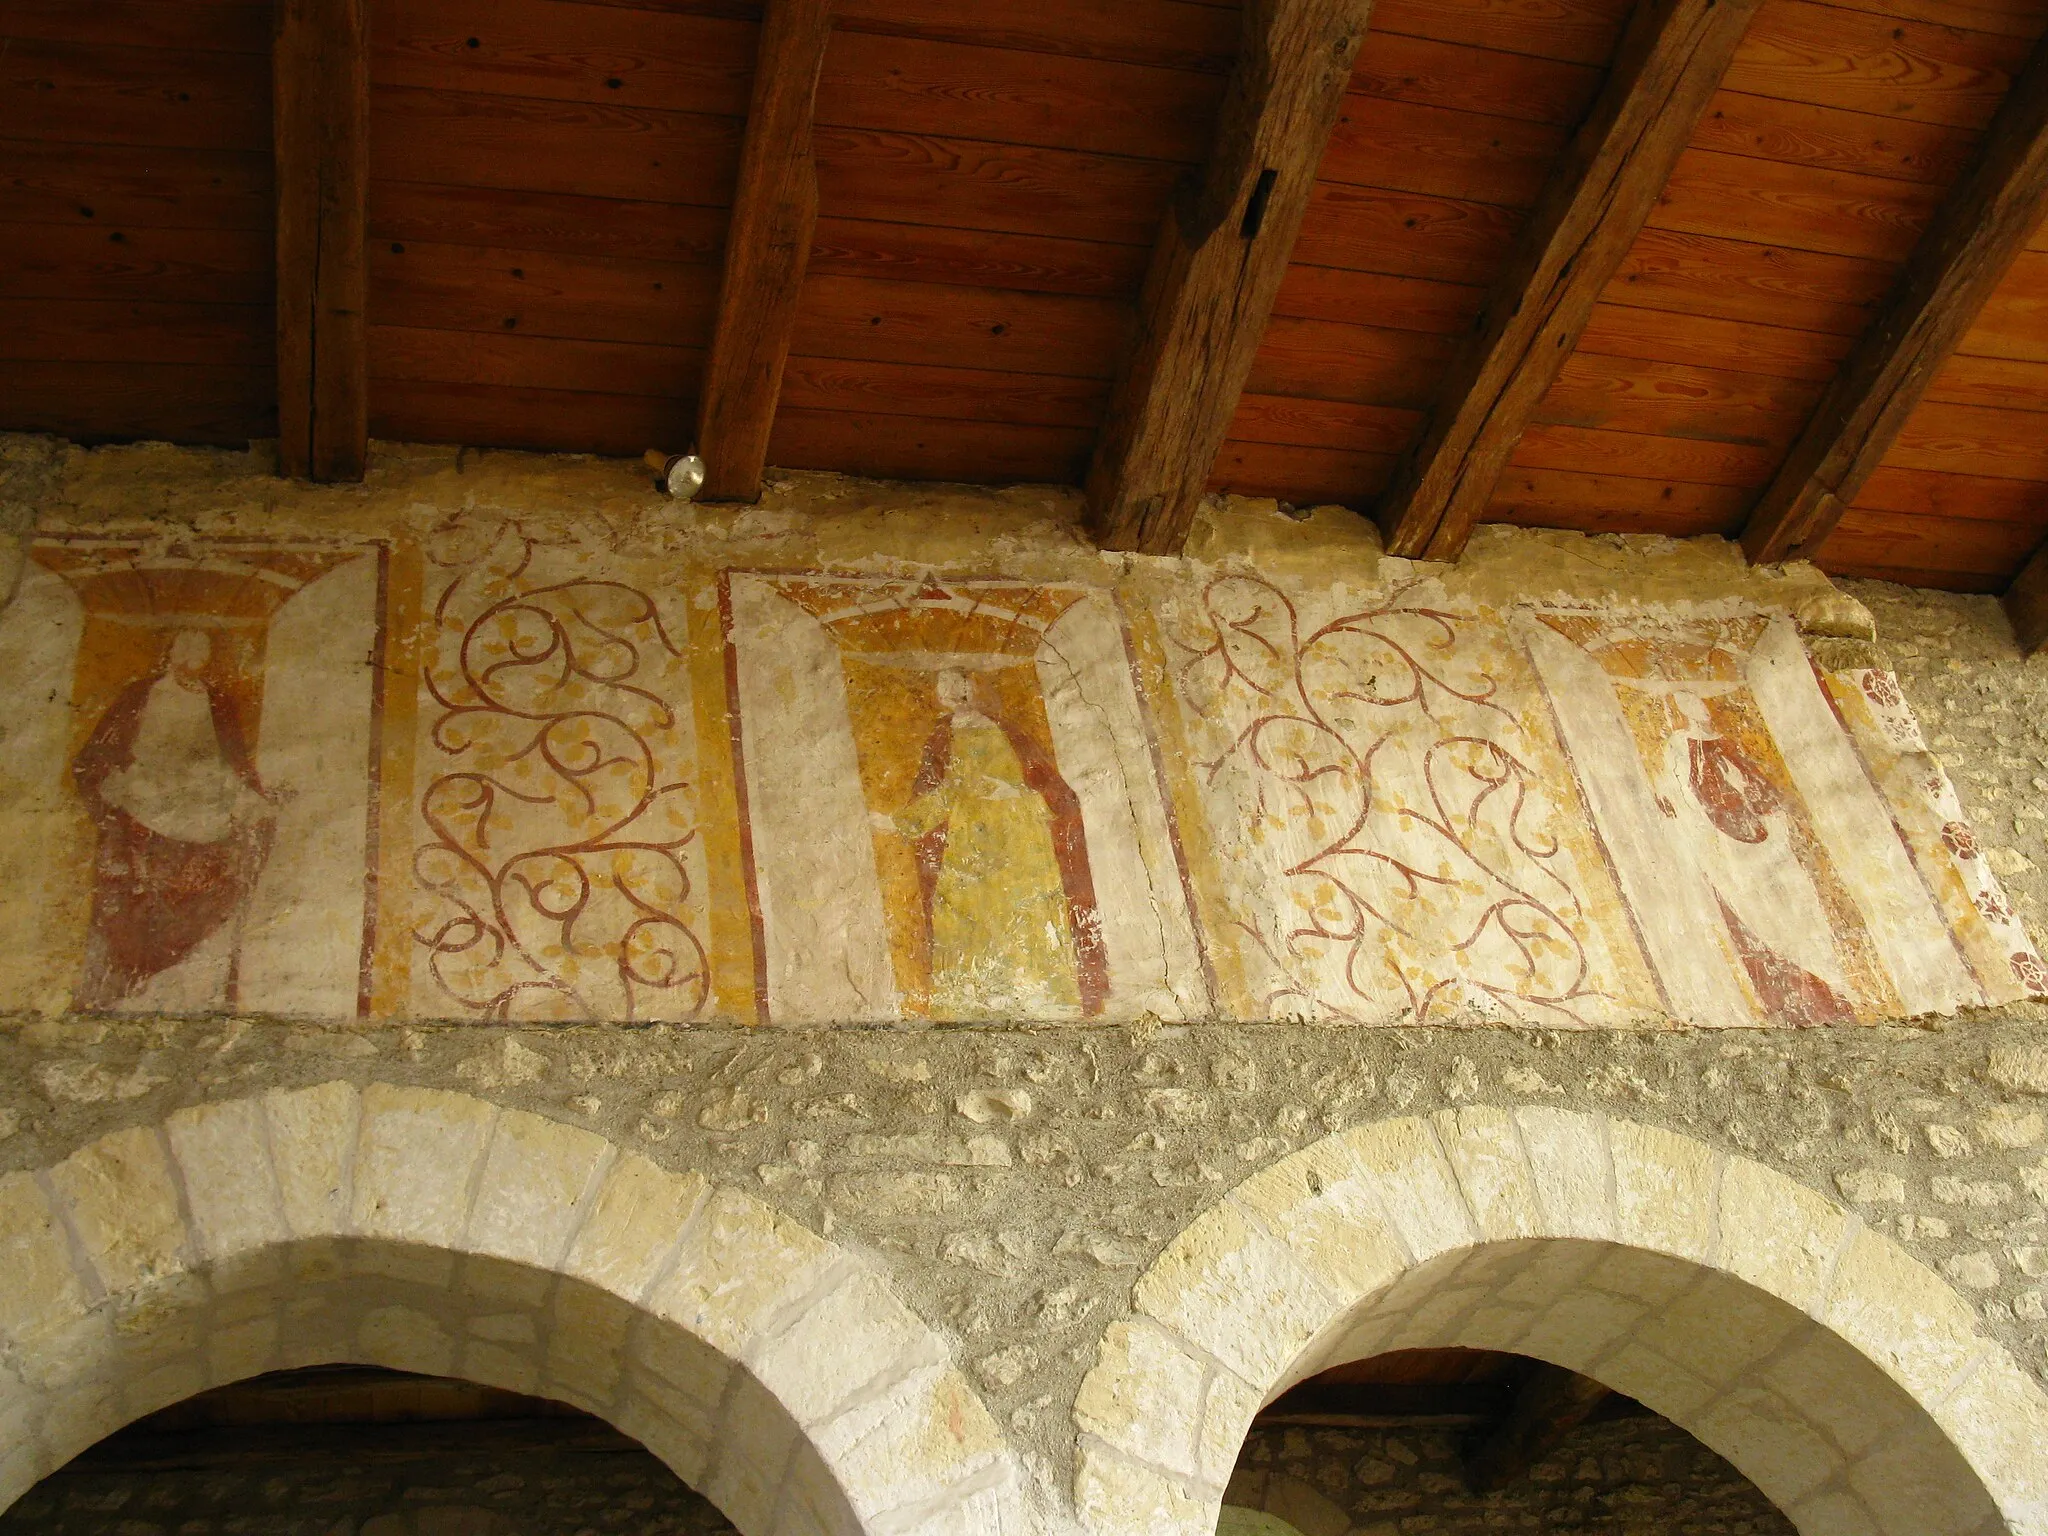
x=556 y=862
x=490 y=771
x=187 y=763
x=990 y=822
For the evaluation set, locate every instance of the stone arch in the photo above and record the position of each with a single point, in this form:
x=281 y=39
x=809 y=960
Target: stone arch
x=1845 y=1379
x=431 y=1231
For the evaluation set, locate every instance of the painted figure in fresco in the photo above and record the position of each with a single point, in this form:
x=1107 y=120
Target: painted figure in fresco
x=1009 y=901
x=1738 y=822
x=184 y=826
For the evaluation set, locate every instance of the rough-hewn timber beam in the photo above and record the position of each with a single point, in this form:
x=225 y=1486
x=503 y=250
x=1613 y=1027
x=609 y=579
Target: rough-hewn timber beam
x=1669 y=63
x=321 y=141
x=2026 y=604
x=1552 y=1403
x=1216 y=270
x=766 y=251
x=1980 y=228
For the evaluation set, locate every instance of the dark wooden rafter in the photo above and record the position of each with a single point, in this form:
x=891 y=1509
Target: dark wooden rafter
x=1669 y=63
x=2026 y=604
x=766 y=251
x=1216 y=270
x=321 y=141
x=1975 y=236
x=1552 y=1403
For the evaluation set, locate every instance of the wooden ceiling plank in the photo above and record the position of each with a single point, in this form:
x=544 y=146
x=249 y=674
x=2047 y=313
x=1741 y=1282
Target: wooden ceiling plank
x=2026 y=604
x=1669 y=65
x=1975 y=237
x=766 y=250
x=1216 y=271
x=1551 y=1404
x=321 y=139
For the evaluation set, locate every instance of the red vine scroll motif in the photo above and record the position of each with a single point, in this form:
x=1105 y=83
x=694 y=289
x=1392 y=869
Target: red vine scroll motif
x=560 y=860
x=1402 y=864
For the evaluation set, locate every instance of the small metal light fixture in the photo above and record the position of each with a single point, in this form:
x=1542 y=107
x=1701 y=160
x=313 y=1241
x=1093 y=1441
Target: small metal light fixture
x=680 y=475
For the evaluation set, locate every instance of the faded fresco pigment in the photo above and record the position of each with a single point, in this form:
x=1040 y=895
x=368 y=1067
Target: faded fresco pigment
x=438 y=758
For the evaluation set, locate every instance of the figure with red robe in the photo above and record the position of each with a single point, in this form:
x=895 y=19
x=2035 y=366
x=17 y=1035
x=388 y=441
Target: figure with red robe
x=184 y=826
x=1738 y=822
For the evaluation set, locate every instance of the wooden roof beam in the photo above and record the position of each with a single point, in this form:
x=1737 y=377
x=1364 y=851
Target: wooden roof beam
x=1978 y=231
x=2026 y=604
x=766 y=250
x=1670 y=62
x=320 y=67
x=1216 y=270
x=1552 y=1403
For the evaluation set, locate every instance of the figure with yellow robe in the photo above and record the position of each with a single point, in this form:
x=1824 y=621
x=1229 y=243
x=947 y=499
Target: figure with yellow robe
x=1009 y=901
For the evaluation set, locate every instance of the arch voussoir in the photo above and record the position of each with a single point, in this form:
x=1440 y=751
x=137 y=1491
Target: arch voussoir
x=1845 y=1379
x=433 y=1231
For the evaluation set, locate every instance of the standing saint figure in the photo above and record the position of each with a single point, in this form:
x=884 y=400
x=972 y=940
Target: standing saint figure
x=184 y=827
x=1002 y=861
x=1739 y=825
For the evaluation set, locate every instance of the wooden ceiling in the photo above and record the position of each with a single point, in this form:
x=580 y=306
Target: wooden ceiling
x=550 y=185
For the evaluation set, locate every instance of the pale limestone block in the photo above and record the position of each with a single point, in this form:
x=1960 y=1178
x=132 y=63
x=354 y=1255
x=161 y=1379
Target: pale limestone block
x=494 y=1282
x=1779 y=1236
x=740 y=1265
x=406 y=1339
x=496 y=1366
x=1569 y=1161
x=225 y=1157
x=1320 y=1202
x=1441 y=1317
x=124 y=1208
x=1769 y=1443
x=171 y=1382
x=1655 y=1382
x=1654 y=1279
x=835 y=1345
x=1226 y=1416
x=1494 y=1326
x=1485 y=1148
x=926 y=1433
x=1554 y=1269
x=813 y=1503
x=503 y=1328
x=681 y=1359
x=416 y=1158
x=1115 y=1497
x=1144 y=1395
x=1416 y=1186
x=1838 y=1391
x=1998 y=1420
x=313 y=1145
x=1578 y=1329
x=42 y=1292
x=1720 y=1331
x=754 y=1439
x=639 y=1212
x=1235 y=1293
x=251 y=1271
x=1664 y=1189
x=78 y=1417
x=157 y=1325
x=535 y=1173
x=1916 y=1485
x=1901 y=1315
x=676 y=1428
x=21 y=1468
x=432 y=1268
x=245 y=1349
x=1833 y=1512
